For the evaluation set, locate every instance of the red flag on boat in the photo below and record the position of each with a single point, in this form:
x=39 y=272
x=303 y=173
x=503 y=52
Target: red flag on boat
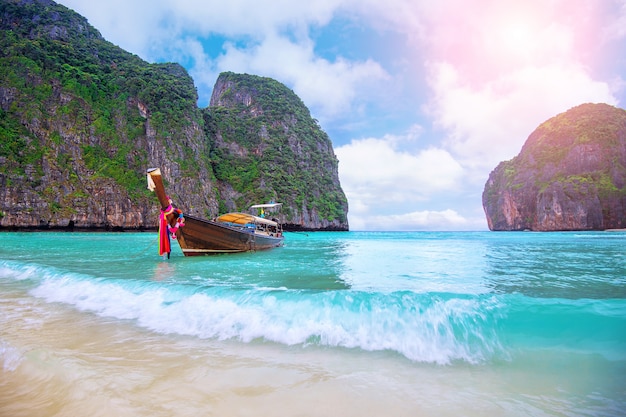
x=164 y=236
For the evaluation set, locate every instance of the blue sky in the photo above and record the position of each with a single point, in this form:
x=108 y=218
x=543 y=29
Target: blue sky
x=421 y=99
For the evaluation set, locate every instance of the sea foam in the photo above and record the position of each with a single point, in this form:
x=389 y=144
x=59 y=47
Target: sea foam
x=422 y=327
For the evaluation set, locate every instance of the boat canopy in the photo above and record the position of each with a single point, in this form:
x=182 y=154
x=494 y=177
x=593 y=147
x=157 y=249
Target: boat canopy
x=270 y=205
x=244 y=218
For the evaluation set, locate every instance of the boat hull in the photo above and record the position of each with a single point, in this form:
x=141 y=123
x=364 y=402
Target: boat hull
x=205 y=237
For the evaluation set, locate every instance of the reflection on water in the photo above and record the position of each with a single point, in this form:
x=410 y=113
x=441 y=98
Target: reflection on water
x=426 y=262
x=164 y=271
x=307 y=262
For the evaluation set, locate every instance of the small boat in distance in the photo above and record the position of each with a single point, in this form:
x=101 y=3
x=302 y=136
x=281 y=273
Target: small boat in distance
x=229 y=233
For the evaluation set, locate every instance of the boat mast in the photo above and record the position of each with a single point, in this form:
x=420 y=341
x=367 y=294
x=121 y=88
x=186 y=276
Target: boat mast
x=159 y=189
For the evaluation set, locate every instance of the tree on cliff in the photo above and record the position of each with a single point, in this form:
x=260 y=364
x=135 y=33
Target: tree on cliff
x=569 y=175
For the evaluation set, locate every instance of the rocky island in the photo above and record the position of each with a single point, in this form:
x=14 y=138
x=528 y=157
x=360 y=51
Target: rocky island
x=569 y=175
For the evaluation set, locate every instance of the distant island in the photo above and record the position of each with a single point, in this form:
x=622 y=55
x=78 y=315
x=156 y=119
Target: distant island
x=569 y=175
x=81 y=120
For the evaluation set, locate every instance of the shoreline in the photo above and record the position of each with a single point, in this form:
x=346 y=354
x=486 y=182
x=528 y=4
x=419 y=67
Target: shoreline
x=120 y=229
x=34 y=229
x=292 y=229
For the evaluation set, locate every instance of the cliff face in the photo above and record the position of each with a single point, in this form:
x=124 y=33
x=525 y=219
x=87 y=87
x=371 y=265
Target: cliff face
x=569 y=175
x=266 y=147
x=81 y=120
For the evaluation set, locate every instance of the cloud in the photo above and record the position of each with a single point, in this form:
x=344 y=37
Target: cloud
x=616 y=28
x=132 y=25
x=248 y=17
x=417 y=220
x=376 y=169
x=136 y=25
x=380 y=177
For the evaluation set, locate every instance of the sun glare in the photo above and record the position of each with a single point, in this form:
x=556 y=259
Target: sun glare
x=517 y=37
x=513 y=31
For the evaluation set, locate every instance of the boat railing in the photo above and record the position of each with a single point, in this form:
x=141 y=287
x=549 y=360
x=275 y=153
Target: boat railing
x=249 y=227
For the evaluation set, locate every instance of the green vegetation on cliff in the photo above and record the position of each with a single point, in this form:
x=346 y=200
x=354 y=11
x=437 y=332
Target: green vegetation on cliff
x=54 y=65
x=268 y=147
x=569 y=143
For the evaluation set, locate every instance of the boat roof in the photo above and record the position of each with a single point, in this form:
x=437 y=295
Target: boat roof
x=244 y=218
x=270 y=205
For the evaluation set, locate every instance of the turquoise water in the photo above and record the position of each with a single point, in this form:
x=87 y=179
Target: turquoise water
x=534 y=323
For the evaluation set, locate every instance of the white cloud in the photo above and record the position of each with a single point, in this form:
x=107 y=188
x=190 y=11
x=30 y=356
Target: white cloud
x=133 y=25
x=136 y=25
x=416 y=220
x=616 y=28
x=393 y=175
x=381 y=180
x=250 y=17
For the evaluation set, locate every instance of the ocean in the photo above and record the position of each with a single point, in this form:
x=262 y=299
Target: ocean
x=332 y=324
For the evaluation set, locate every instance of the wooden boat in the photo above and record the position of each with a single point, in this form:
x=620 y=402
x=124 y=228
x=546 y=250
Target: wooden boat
x=229 y=233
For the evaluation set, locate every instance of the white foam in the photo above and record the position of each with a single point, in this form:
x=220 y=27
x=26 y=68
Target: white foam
x=439 y=330
x=17 y=272
x=11 y=357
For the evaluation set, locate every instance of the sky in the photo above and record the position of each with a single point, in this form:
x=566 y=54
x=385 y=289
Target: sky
x=422 y=99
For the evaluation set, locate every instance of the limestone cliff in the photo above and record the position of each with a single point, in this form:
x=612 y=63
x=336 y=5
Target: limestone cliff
x=81 y=120
x=266 y=147
x=569 y=175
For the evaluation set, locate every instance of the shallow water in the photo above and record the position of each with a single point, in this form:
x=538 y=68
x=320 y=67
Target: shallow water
x=422 y=323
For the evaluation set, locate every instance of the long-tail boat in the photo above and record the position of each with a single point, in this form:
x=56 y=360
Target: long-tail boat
x=228 y=233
